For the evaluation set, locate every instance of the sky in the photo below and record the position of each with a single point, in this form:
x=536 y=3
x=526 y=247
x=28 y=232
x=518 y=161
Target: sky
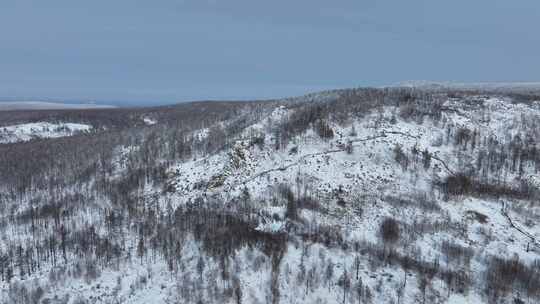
x=167 y=51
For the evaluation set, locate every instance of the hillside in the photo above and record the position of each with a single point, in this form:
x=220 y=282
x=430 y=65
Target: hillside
x=41 y=105
x=395 y=195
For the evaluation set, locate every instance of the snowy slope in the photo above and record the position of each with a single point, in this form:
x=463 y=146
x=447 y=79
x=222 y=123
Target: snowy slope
x=349 y=183
x=29 y=131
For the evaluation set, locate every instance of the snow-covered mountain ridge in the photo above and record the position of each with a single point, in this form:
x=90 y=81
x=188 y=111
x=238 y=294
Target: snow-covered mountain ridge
x=29 y=131
x=365 y=197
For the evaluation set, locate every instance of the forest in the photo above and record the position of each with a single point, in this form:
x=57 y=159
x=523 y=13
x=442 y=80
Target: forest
x=80 y=206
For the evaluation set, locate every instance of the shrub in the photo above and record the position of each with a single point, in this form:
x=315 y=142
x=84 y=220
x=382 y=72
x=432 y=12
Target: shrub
x=458 y=184
x=258 y=140
x=461 y=184
x=389 y=230
x=324 y=130
x=456 y=253
x=407 y=111
x=504 y=276
x=400 y=157
x=308 y=202
x=463 y=136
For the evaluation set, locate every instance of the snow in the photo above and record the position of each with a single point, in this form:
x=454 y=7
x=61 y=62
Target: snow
x=369 y=165
x=272 y=227
x=202 y=133
x=149 y=121
x=354 y=191
x=40 y=130
x=331 y=173
x=468 y=299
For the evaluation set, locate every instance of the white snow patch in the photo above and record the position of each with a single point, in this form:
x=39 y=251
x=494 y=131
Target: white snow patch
x=40 y=130
x=468 y=299
x=149 y=121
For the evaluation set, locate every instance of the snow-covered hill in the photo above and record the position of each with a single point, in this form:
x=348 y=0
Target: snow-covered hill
x=29 y=131
x=493 y=87
x=357 y=197
x=356 y=178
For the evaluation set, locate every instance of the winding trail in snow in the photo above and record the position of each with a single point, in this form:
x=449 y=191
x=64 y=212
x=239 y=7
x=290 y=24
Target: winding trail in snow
x=517 y=228
x=443 y=163
x=303 y=157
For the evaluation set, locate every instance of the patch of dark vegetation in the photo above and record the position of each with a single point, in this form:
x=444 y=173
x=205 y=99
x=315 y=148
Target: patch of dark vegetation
x=417 y=105
x=462 y=184
x=341 y=202
x=426 y=225
x=294 y=203
x=308 y=202
x=53 y=209
x=421 y=201
x=463 y=136
x=456 y=254
x=258 y=141
x=527 y=98
x=350 y=103
x=401 y=157
x=477 y=216
x=389 y=231
x=505 y=276
x=457 y=280
x=330 y=236
x=221 y=233
x=324 y=130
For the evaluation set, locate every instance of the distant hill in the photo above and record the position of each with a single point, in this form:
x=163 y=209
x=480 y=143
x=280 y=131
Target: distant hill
x=512 y=87
x=40 y=105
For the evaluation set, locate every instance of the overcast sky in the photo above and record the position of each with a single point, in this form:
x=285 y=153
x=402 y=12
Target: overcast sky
x=129 y=51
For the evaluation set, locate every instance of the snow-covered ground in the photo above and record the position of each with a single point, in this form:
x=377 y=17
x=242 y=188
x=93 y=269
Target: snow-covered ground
x=366 y=177
x=149 y=121
x=40 y=130
x=357 y=183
